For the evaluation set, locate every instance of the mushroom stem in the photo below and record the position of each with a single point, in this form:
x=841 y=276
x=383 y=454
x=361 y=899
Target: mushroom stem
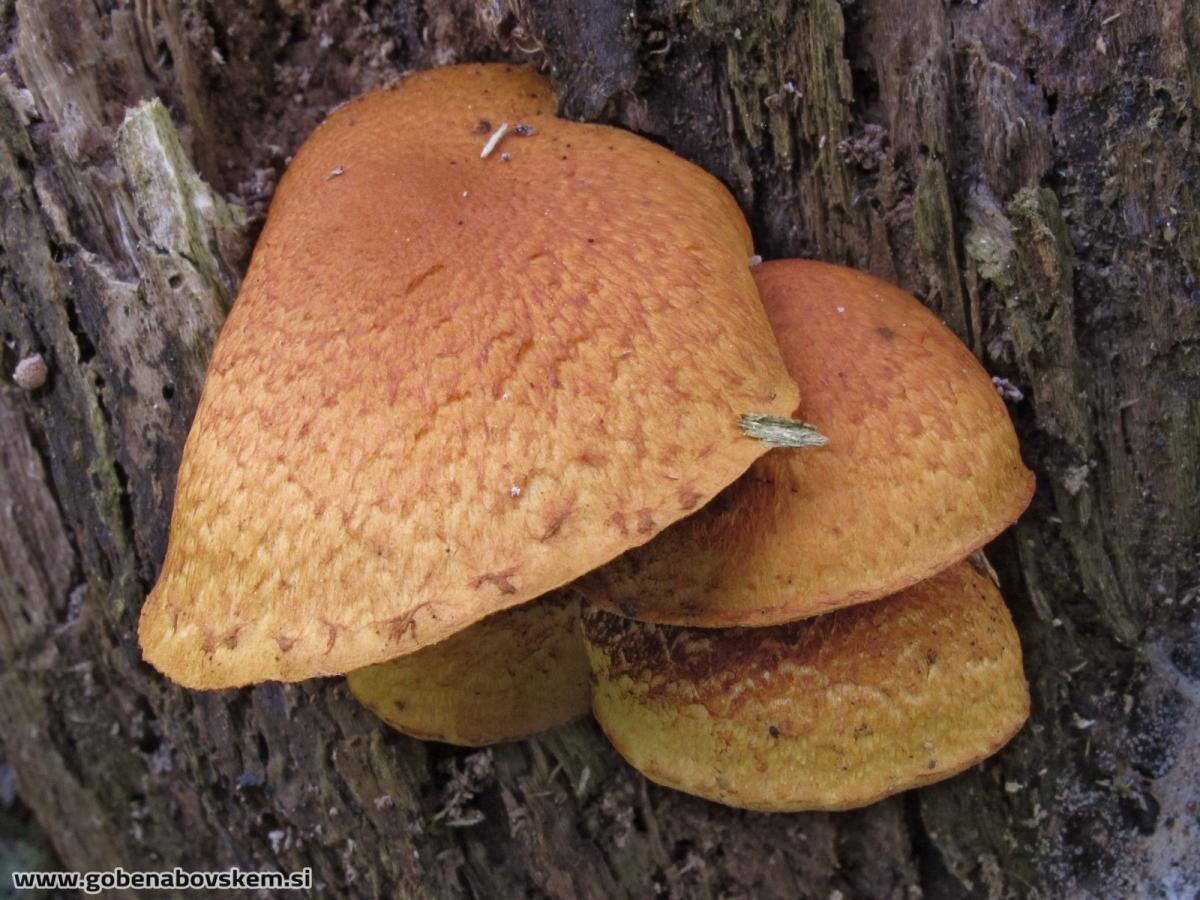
x=777 y=431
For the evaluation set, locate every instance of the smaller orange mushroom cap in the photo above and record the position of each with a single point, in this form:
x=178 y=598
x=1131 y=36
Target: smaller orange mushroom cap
x=829 y=713
x=515 y=674
x=922 y=467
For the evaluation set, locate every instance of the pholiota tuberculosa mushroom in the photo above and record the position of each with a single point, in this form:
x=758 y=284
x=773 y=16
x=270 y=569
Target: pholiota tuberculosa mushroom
x=453 y=381
x=463 y=371
x=922 y=468
x=517 y=673
x=831 y=712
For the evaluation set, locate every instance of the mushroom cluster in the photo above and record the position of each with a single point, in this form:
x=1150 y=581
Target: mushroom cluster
x=499 y=426
x=872 y=651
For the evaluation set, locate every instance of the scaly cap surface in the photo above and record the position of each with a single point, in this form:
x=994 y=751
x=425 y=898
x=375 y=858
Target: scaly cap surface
x=832 y=712
x=922 y=467
x=450 y=384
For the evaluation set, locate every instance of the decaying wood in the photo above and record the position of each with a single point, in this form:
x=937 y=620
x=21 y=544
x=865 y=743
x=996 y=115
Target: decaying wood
x=1027 y=168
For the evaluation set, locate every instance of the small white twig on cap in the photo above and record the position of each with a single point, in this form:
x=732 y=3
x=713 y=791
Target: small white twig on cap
x=493 y=141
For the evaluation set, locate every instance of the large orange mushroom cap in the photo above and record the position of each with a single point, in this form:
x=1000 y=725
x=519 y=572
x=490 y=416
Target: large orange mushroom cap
x=452 y=383
x=832 y=712
x=922 y=468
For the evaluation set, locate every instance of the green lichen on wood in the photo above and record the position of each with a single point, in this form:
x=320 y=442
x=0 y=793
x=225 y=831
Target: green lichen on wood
x=1023 y=251
x=189 y=242
x=179 y=213
x=989 y=245
x=154 y=331
x=1036 y=212
x=791 y=90
x=933 y=222
x=827 y=92
x=755 y=81
x=116 y=346
x=1041 y=316
x=788 y=98
x=36 y=301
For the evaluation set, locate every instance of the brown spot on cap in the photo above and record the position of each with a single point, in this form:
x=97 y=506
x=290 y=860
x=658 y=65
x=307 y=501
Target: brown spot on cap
x=501 y=580
x=617 y=520
x=212 y=639
x=555 y=523
x=397 y=628
x=333 y=630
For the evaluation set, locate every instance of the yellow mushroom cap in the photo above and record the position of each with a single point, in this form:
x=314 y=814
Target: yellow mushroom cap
x=832 y=712
x=922 y=468
x=515 y=674
x=450 y=383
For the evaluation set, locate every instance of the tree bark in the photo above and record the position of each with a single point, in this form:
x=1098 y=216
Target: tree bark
x=1028 y=169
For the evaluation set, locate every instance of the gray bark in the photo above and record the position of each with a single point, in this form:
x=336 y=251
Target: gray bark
x=1028 y=169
